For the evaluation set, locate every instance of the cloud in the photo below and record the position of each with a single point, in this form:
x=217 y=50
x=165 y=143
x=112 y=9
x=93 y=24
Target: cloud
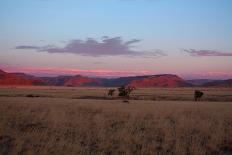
x=27 y=47
x=202 y=53
x=91 y=47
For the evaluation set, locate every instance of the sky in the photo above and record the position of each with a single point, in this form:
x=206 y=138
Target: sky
x=112 y=38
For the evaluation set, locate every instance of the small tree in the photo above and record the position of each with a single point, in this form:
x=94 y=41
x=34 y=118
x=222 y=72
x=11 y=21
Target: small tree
x=111 y=92
x=197 y=95
x=125 y=91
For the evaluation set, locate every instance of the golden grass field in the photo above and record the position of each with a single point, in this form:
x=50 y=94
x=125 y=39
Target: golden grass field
x=69 y=120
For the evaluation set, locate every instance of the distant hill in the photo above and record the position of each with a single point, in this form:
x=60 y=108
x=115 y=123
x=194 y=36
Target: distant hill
x=72 y=81
x=211 y=83
x=219 y=83
x=11 y=79
x=166 y=80
x=56 y=81
x=115 y=82
x=82 y=81
x=147 y=81
x=2 y=72
x=34 y=80
x=199 y=82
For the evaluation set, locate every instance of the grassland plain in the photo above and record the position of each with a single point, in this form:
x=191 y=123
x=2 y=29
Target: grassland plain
x=60 y=120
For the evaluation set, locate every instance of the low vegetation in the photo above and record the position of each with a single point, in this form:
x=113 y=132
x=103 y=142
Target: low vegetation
x=61 y=124
x=155 y=94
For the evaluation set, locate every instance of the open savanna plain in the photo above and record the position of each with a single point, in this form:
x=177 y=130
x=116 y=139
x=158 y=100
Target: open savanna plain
x=70 y=120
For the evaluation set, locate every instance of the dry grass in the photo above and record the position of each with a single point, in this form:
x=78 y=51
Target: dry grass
x=165 y=94
x=63 y=125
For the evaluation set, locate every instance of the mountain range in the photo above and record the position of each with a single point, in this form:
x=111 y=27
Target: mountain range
x=163 y=80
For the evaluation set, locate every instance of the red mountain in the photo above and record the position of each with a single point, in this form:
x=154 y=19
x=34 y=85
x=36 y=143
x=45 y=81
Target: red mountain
x=165 y=80
x=11 y=79
x=2 y=72
x=81 y=81
x=73 y=81
x=33 y=79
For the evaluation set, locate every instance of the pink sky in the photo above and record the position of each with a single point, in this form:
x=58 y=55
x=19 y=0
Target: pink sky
x=72 y=71
x=49 y=71
x=191 y=39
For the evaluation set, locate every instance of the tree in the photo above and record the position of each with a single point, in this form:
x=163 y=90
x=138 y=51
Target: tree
x=197 y=95
x=111 y=92
x=125 y=91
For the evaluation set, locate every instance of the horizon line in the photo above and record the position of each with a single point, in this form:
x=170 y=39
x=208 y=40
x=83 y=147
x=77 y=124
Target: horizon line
x=55 y=72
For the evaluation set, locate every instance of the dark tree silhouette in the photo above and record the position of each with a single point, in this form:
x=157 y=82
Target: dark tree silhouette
x=197 y=95
x=125 y=91
x=122 y=91
x=111 y=92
